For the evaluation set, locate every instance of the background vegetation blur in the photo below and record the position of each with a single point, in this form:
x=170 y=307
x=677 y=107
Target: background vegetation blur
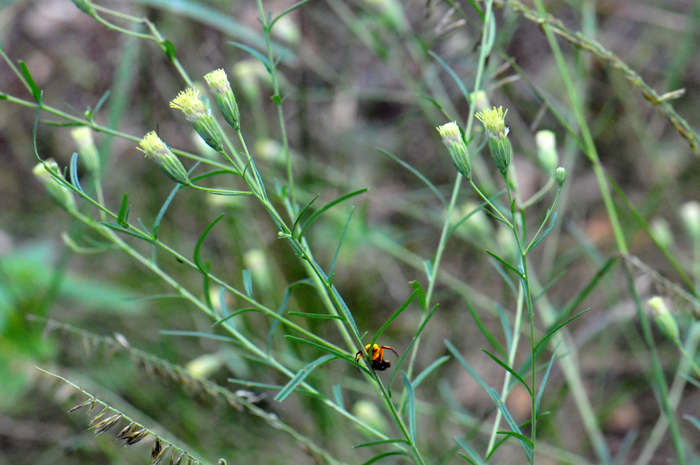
x=355 y=77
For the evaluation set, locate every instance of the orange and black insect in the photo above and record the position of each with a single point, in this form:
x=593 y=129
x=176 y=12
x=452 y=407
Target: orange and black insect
x=377 y=356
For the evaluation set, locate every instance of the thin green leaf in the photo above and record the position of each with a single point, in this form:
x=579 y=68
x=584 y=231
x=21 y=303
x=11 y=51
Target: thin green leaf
x=455 y=77
x=36 y=92
x=329 y=350
x=263 y=59
x=236 y=313
x=320 y=316
x=411 y=344
x=166 y=332
x=245 y=382
x=285 y=12
x=379 y=443
x=506 y=326
x=474 y=456
x=420 y=292
x=571 y=306
x=168 y=48
x=551 y=333
x=416 y=173
x=466 y=458
x=282 y=308
x=411 y=407
x=303 y=210
x=197 y=260
x=338 y=395
x=484 y=330
x=121 y=229
x=527 y=445
x=507 y=265
x=301 y=376
x=99 y=105
x=381 y=456
x=544 y=381
x=693 y=420
x=474 y=212
x=74 y=173
x=327 y=207
x=161 y=213
x=248 y=283
x=337 y=250
x=509 y=370
x=423 y=374
x=519 y=436
x=453 y=350
x=428 y=266
x=544 y=234
x=490 y=35
x=393 y=317
x=123 y=217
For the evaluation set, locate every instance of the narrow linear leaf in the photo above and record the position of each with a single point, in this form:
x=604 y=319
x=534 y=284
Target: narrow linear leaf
x=168 y=48
x=340 y=243
x=544 y=234
x=423 y=374
x=287 y=11
x=99 y=105
x=519 y=436
x=509 y=370
x=428 y=266
x=166 y=332
x=301 y=376
x=393 y=317
x=506 y=278
x=411 y=407
x=384 y=455
x=320 y=316
x=123 y=217
x=328 y=206
x=474 y=456
x=303 y=210
x=420 y=292
x=475 y=211
x=544 y=381
x=693 y=420
x=329 y=350
x=283 y=306
x=571 y=306
x=378 y=443
x=411 y=344
x=453 y=75
x=338 y=395
x=263 y=59
x=234 y=314
x=453 y=350
x=417 y=173
x=163 y=209
x=245 y=382
x=490 y=35
x=74 y=173
x=506 y=264
x=485 y=331
x=197 y=248
x=36 y=92
x=551 y=333
x=527 y=445
x=248 y=283
x=506 y=326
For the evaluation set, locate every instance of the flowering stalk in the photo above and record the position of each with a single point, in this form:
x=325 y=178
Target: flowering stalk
x=221 y=87
x=497 y=133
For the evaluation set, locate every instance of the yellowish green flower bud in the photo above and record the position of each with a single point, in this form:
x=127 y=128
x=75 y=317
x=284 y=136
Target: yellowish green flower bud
x=85 y=6
x=497 y=134
x=58 y=192
x=560 y=175
x=480 y=100
x=192 y=105
x=664 y=319
x=86 y=148
x=452 y=138
x=221 y=87
x=156 y=150
x=370 y=414
x=690 y=215
x=547 y=150
x=204 y=366
x=662 y=231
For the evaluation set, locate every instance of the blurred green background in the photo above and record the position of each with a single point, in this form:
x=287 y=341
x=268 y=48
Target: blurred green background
x=356 y=76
